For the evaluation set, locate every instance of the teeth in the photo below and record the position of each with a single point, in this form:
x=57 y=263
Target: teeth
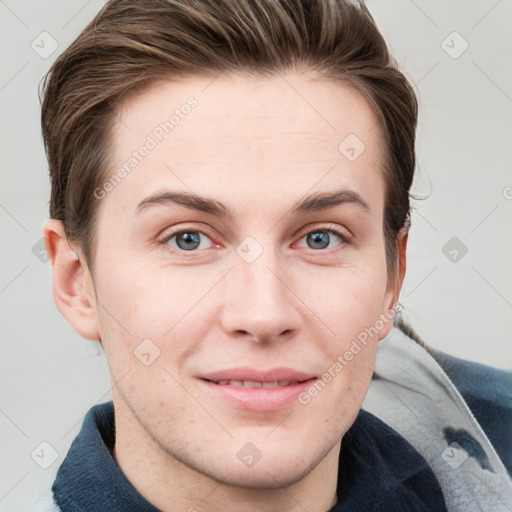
x=255 y=384
x=251 y=384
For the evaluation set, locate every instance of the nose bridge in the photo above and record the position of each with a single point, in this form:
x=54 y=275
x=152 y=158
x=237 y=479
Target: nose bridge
x=258 y=300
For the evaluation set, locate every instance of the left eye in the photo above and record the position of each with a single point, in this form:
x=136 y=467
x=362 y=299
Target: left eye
x=187 y=240
x=321 y=238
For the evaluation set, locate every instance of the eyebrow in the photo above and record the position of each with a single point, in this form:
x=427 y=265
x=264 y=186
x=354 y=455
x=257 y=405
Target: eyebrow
x=187 y=199
x=323 y=200
x=312 y=203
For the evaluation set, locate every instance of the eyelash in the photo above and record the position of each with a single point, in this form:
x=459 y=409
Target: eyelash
x=344 y=235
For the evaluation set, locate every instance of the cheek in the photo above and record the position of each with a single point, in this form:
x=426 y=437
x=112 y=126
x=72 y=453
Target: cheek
x=351 y=306
x=146 y=310
x=139 y=302
x=347 y=300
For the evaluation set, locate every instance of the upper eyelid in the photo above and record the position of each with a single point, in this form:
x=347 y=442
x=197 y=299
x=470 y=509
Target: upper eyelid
x=329 y=226
x=167 y=234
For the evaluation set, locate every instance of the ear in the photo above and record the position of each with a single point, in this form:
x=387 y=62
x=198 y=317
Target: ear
x=395 y=282
x=72 y=284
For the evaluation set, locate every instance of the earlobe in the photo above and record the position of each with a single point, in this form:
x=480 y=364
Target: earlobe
x=73 y=288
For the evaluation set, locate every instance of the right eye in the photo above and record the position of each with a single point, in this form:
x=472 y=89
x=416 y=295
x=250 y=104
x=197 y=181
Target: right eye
x=188 y=240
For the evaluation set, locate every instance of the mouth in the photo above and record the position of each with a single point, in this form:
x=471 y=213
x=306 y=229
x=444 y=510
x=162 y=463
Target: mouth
x=254 y=384
x=259 y=391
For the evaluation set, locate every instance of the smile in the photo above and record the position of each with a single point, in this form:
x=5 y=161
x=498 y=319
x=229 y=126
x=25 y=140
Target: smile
x=256 y=390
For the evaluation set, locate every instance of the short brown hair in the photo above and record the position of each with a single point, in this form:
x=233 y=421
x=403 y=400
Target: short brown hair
x=132 y=44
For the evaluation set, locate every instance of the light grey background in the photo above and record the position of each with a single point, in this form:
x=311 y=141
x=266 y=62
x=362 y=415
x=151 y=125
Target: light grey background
x=50 y=376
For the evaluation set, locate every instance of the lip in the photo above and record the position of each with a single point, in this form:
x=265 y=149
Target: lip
x=256 y=399
x=246 y=373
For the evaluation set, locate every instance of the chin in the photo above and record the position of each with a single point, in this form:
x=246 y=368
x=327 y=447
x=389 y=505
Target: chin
x=263 y=476
x=278 y=467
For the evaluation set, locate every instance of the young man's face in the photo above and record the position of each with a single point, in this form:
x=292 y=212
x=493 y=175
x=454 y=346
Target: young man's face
x=192 y=303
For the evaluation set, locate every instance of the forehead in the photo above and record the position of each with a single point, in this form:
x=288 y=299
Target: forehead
x=248 y=134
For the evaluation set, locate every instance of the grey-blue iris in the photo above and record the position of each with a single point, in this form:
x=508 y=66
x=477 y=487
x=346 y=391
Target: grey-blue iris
x=319 y=238
x=189 y=240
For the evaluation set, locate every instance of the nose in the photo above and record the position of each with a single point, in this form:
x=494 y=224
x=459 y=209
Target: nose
x=259 y=301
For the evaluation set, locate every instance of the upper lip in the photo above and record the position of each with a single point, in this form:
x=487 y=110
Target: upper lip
x=270 y=375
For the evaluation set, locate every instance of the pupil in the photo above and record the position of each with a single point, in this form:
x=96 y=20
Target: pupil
x=188 y=241
x=319 y=240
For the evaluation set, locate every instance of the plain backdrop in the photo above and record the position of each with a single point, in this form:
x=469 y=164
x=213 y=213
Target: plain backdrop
x=457 y=292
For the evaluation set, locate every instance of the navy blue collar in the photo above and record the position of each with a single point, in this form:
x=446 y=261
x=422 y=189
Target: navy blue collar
x=379 y=471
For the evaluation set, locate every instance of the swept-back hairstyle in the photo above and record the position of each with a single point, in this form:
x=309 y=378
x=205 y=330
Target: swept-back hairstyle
x=131 y=44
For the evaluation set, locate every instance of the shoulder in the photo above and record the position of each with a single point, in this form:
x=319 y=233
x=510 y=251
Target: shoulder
x=488 y=392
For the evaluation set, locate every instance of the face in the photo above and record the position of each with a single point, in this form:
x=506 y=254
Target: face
x=240 y=272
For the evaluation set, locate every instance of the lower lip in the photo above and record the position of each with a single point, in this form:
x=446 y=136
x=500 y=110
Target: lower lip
x=257 y=399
